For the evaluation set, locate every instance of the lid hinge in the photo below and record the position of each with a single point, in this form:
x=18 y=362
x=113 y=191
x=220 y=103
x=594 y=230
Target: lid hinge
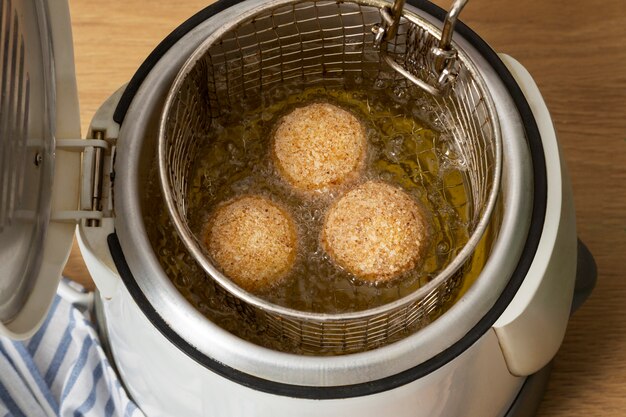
x=96 y=180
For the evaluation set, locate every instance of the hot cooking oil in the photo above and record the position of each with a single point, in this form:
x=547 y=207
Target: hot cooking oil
x=236 y=160
x=404 y=148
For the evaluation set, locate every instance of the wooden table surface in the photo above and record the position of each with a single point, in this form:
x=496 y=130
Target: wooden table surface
x=576 y=51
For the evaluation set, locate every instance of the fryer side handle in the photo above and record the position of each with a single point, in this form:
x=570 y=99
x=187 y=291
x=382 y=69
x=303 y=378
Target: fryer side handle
x=531 y=329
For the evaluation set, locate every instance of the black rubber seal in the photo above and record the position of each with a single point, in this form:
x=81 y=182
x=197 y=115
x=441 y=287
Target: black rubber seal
x=419 y=371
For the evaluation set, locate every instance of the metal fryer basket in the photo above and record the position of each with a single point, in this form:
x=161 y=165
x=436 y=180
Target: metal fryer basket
x=329 y=43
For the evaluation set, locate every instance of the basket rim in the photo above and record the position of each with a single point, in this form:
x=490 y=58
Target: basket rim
x=199 y=255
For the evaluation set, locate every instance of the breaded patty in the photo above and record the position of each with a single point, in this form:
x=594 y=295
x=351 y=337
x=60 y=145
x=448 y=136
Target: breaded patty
x=376 y=231
x=319 y=146
x=252 y=240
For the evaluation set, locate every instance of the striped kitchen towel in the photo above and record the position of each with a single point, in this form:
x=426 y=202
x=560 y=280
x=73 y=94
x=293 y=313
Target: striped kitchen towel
x=62 y=370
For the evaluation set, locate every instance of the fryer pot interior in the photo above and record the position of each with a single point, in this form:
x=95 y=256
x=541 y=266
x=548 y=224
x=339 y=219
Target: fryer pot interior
x=136 y=157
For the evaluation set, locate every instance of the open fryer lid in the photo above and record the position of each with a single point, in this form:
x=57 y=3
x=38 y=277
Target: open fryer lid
x=38 y=105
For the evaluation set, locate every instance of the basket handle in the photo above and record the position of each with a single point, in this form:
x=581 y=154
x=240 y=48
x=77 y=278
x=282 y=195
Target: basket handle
x=444 y=56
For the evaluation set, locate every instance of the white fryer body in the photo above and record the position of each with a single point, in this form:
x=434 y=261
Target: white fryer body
x=479 y=382
x=164 y=381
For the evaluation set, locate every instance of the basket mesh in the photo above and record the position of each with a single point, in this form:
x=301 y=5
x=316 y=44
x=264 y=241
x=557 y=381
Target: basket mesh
x=329 y=43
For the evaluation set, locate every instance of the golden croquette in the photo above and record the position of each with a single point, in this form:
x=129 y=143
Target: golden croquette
x=252 y=240
x=319 y=146
x=375 y=231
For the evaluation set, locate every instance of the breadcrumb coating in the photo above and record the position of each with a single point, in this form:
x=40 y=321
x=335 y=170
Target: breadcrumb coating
x=253 y=241
x=319 y=146
x=376 y=232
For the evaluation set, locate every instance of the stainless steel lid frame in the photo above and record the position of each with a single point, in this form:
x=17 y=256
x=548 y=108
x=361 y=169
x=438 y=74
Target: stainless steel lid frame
x=27 y=117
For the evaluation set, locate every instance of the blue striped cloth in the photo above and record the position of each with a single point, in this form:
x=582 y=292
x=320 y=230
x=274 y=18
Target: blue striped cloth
x=61 y=371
